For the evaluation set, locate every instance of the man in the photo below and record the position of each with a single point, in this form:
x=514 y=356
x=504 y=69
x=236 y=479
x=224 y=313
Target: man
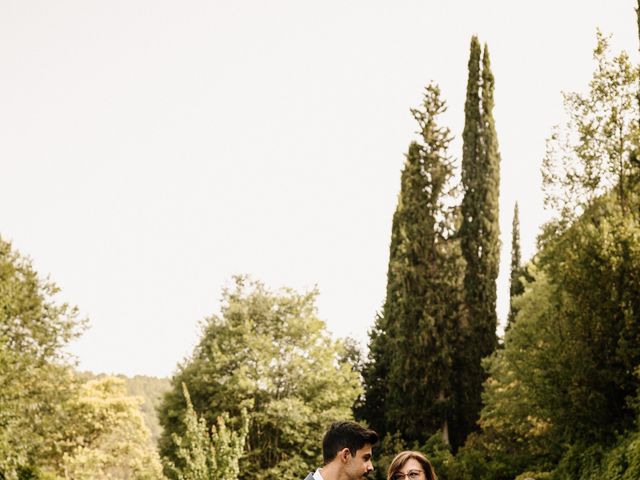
x=346 y=451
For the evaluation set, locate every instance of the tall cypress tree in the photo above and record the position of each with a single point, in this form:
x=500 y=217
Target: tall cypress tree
x=489 y=254
x=410 y=344
x=515 y=285
x=479 y=240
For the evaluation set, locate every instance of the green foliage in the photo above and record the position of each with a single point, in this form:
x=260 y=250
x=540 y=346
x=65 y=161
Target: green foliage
x=516 y=433
x=384 y=452
x=562 y=390
x=439 y=454
x=591 y=154
x=516 y=285
x=595 y=461
x=31 y=322
x=592 y=268
x=479 y=240
x=110 y=438
x=471 y=463
x=151 y=390
x=35 y=377
x=437 y=451
x=267 y=353
x=371 y=405
x=208 y=456
x=593 y=260
x=512 y=415
x=565 y=376
x=407 y=376
x=422 y=290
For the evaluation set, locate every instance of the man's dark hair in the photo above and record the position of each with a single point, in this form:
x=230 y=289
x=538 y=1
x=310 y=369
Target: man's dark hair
x=345 y=434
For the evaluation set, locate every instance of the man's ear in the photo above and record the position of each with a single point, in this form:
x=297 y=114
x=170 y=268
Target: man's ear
x=344 y=455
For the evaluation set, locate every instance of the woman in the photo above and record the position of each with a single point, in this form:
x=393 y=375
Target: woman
x=411 y=466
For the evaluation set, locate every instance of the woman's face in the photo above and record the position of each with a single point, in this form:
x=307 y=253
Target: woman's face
x=411 y=470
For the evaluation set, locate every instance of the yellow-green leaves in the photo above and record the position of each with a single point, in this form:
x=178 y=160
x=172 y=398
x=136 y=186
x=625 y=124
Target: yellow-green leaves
x=267 y=352
x=110 y=436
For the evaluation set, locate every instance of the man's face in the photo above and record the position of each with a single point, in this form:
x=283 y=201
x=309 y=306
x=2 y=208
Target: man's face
x=359 y=466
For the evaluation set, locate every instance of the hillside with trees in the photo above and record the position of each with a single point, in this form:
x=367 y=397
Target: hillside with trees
x=148 y=390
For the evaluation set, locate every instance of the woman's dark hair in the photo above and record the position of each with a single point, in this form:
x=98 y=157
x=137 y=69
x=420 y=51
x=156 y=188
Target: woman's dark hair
x=346 y=434
x=403 y=457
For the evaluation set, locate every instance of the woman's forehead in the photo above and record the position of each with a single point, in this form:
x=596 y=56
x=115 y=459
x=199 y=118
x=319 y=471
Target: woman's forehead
x=412 y=464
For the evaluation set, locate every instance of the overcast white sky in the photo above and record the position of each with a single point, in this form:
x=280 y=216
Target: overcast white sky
x=151 y=149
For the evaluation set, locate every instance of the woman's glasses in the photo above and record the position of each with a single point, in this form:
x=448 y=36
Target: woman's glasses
x=410 y=475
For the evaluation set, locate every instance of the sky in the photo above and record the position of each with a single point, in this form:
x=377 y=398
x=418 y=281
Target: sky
x=152 y=149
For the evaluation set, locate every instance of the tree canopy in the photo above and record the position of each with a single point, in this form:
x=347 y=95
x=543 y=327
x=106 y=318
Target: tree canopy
x=267 y=352
x=35 y=371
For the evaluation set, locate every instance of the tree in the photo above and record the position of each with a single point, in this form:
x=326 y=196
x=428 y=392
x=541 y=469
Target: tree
x=267 y=353
x=590 y=154
x=590 y=249
x=479 y=238
x=594 y=266
x=109 y=436
x=209 y=456
x=408 y=375
x=516 y=286
x=561 y=392
x=517 y=432
x=35 y=374
x=375 y=373
x=151 y=390
x=565 y=378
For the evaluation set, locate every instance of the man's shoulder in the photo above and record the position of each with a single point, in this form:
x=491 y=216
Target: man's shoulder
x=315 y=476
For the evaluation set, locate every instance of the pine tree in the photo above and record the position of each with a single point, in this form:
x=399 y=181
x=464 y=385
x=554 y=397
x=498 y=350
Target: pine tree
x=410 y=345
x=479 y=239
x=515 y=287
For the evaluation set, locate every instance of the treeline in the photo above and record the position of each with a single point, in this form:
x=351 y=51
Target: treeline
x=262 y=384
x=556 y=398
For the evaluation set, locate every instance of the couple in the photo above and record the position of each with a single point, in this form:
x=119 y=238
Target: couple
x=346 y=451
